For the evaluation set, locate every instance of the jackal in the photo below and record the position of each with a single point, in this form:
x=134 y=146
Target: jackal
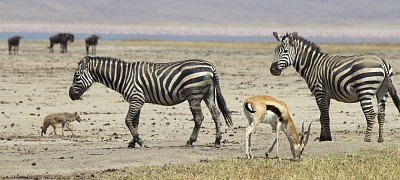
x=59 y=118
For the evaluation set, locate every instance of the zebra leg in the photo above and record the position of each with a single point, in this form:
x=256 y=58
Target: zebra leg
x=323 y=103
x=210 y=102
x=366 y=105
x=381 y=115
x=132 y=122
x=198 y=116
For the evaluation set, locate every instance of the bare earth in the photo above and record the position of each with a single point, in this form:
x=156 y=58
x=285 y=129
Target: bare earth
x=35 y=84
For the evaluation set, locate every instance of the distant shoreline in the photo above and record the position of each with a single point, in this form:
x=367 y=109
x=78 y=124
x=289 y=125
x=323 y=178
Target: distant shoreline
x=197 y=38
x=207 y=32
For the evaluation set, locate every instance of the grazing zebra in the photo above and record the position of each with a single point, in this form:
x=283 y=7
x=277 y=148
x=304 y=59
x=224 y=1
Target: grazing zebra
x=61 y=38
x=91 y=41
x=13 y=43
x=346 y=79
x=158 y=83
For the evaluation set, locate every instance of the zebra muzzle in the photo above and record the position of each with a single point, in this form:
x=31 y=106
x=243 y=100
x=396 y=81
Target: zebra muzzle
x=274 y=69
x=73 y=95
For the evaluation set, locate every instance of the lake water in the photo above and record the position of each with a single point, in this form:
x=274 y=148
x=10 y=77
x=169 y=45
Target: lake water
x=113 y=37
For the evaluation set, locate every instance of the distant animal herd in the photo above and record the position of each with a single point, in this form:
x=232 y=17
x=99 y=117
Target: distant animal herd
x=61 y=38
x=348 y=79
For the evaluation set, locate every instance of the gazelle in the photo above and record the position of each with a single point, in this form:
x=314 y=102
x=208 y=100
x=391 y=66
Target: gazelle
x=266 y=109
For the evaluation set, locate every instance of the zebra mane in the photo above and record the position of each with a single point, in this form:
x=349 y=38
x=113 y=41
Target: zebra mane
x=104 y=58
x=305 y=42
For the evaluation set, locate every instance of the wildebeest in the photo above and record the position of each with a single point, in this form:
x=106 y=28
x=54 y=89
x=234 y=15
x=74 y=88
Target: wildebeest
x=61 y=38
x=13 y=43
x=91 y=41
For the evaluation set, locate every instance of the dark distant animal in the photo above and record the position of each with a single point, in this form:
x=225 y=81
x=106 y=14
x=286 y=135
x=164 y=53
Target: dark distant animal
x=91 y=41
x=13 y=43
x=61 y=38
x=157 y=83
x=348 y=79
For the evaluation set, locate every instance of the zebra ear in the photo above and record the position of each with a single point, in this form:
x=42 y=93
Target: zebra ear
x=87 y=59
x=292 y=37
x=277 y=36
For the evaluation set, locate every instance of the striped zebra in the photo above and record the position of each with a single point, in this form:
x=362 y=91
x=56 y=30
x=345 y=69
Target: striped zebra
x=158 y=83
x=346 y=79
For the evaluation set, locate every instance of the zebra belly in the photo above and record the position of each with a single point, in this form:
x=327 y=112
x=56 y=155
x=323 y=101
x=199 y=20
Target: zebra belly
x=194 y=89
x=348 y=95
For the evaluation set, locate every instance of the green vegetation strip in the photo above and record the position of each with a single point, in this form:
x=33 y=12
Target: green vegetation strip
x=366 y=164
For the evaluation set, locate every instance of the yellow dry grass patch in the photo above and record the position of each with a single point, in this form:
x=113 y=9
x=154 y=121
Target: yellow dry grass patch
x=366 y=164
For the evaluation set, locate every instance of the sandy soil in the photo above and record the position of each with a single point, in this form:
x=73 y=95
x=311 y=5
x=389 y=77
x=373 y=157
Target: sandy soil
x=35 y=84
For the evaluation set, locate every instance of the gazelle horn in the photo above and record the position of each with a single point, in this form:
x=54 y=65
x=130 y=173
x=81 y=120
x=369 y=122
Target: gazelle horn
x=308 y=133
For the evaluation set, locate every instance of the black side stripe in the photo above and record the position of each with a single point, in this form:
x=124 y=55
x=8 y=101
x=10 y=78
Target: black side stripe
x=274 y=110
x=247 y=108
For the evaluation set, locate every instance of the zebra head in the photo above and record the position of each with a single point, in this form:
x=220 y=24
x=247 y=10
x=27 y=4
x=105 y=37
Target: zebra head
x=285 y=53
x=82 y=79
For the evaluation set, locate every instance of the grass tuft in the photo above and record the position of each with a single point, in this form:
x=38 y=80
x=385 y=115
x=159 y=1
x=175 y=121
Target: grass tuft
x=366 y=164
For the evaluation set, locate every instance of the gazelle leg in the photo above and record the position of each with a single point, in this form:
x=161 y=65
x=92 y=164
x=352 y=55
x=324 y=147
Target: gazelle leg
x=249 y=130
x=271 y=148
x=278 y=128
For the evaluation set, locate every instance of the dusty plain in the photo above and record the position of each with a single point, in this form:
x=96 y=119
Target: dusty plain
x=35 y=83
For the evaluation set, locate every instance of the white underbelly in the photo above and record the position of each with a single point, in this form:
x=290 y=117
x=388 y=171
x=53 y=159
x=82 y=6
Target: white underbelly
x=270 y=118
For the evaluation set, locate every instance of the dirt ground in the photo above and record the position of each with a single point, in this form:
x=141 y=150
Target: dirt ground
x=35 y=84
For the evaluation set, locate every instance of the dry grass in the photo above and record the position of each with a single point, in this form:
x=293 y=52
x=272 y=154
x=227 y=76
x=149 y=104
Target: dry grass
x=367 y=164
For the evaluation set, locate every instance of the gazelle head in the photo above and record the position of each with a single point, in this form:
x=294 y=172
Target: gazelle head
x=303 y=140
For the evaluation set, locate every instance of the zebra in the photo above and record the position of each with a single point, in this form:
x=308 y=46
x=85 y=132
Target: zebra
x=157 y=83
x=347 y=79
x=61 y=38
x=91 y=41
x=13 y=43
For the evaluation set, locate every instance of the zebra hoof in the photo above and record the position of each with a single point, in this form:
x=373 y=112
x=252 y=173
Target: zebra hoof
x=189 y=144
x=367 y=139
x=140 y=142
x=131 y=145
x=323 y=138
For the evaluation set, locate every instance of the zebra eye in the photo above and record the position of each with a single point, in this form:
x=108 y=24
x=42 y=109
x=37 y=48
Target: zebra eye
x=285 y=51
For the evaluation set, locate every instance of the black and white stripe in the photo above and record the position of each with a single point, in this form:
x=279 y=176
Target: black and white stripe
x=346 y=79
x=158 y=83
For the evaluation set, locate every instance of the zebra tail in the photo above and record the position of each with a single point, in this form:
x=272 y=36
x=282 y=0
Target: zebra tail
x=221 y=103
x=393 y=94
